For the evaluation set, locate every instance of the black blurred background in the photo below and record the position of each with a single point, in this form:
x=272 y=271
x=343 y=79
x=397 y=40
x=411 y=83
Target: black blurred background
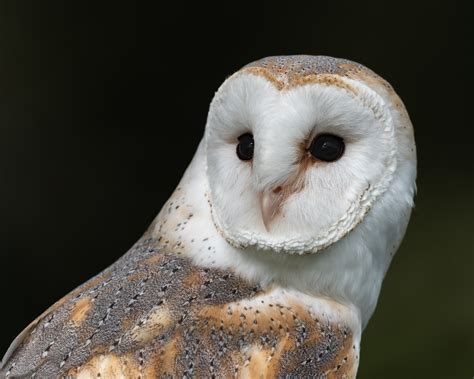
x=103 y=104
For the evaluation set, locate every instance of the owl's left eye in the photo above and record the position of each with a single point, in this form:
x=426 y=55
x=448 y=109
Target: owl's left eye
x=245 y=147
x=327 y=147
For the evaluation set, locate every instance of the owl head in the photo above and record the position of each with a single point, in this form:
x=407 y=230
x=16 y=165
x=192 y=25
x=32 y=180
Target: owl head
x=299 y=149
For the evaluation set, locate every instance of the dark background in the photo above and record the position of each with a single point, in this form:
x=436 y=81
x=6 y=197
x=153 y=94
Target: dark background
x=102 y=107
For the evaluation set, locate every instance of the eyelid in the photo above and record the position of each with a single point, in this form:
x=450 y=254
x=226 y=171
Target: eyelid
x=311 y=137
x=244 y=134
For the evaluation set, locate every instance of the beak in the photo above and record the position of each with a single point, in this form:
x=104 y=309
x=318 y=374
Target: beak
x=270 y=202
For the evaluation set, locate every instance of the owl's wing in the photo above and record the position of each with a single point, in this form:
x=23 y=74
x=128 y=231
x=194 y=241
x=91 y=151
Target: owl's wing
x=156 y=314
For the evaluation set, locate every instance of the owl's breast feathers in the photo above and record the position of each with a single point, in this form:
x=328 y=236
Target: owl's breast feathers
x=156 y=314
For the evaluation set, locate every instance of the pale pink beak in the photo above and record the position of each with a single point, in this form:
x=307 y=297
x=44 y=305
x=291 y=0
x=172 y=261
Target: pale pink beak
x=270 y=203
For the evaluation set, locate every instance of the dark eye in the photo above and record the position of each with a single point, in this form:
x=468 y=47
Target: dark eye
x=245 y=147
x=327 y=147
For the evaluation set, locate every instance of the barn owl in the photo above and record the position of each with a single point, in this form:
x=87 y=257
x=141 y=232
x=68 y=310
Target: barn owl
x=268 y=259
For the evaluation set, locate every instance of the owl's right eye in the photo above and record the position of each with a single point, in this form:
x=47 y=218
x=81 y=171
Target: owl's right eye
x=245 y=147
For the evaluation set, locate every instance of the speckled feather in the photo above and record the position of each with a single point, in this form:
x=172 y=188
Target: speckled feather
x=294 y=67
x=153 y=314
x=286 y=72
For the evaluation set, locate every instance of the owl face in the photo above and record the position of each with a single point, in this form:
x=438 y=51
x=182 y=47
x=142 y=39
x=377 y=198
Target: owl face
x=294 y=168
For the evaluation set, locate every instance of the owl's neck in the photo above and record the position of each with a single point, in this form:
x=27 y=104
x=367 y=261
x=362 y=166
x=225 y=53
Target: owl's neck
x=350 y=272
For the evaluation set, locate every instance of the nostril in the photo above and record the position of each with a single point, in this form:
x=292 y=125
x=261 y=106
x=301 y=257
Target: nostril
x=277 y=190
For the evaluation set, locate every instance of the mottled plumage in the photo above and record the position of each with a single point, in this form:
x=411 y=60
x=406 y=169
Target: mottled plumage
x=153 y=313
x=198 y=296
